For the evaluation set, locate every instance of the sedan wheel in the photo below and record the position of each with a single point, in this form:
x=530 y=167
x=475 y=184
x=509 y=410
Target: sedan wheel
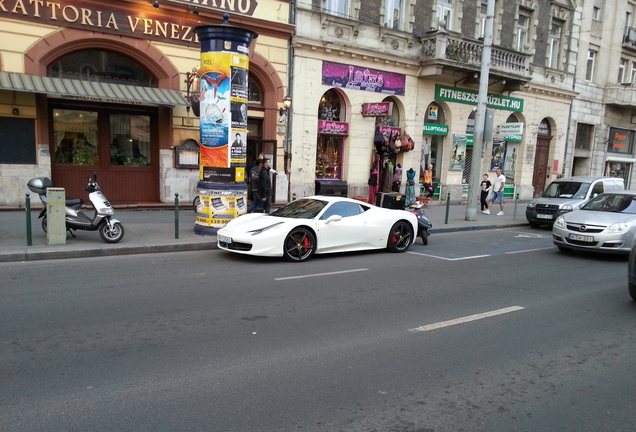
x=400 y=237
x=632 y=291
x=300 y=245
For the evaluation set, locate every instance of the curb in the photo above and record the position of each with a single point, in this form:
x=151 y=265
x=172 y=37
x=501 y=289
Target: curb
x=476 y=228
x=30 y=255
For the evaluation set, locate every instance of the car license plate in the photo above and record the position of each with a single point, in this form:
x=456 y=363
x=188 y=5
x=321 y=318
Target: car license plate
x=544 y=216
x=224 y=239
x=582 y=238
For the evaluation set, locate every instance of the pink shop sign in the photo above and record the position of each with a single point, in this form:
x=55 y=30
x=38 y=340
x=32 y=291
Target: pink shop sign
x=360 y=78
x=379 y=109
x=332 y=128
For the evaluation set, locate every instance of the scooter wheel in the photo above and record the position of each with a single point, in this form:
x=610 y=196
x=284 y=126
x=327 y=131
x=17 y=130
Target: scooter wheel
x=424 y=236
x=45 y=224
x=111 y=235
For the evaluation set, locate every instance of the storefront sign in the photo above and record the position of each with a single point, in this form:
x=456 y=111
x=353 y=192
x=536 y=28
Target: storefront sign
x=432 y=112
x=470 y=97
x=380 y=109
x=620 y=141
x=544 y=128
x=511 y=131
x=245 y=7
x=390 y=131
x=104 y=19
x=358 y=78
x=332 y=128
x=435 y=129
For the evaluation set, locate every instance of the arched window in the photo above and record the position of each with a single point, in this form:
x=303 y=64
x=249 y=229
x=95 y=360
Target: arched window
x=331 y=107
x=255 y=94
x=103 y=66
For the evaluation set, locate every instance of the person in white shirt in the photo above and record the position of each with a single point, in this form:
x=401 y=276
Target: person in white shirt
x=498 y=191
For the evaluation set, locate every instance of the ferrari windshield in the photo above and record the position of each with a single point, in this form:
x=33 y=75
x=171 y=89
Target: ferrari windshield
x=566 y=190
x=301 y=209
x=612 y=203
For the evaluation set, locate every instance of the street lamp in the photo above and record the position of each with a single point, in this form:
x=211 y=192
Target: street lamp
x=283 y=110
x=192 y=90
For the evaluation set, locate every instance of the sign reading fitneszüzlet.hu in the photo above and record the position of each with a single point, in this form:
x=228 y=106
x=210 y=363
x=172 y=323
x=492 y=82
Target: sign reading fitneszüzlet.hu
x=454 y=94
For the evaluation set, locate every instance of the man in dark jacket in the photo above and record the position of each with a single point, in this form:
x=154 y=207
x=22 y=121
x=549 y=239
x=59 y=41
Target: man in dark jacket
x=265 y=186
x=253 y=181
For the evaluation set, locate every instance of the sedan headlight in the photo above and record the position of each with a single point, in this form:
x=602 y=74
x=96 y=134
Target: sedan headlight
x=260 y=230
x=566 y=208
x=531 y=204
x=559 y=222
x=618 y=228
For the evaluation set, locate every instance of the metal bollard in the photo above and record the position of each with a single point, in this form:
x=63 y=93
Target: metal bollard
x=27 y=205
x=176 y=215
x=447 y=207
x=514 y=215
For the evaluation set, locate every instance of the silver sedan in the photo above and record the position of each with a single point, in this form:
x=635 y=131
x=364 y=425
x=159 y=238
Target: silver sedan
x=606 y=223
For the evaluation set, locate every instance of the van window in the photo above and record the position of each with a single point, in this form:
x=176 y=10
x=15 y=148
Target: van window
x=566 y=190
x=598 y=188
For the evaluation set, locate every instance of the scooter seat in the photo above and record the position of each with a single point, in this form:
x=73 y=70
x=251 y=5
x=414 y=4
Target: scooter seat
x=74 y=202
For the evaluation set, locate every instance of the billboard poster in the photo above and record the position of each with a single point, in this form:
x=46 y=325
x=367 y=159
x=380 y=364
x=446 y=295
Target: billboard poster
x=224 y=112
x=458 y=155
x=498 y=154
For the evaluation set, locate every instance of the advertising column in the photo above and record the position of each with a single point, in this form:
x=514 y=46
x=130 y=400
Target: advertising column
x=224 y=71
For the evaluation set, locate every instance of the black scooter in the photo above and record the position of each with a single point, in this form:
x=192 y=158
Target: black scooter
x=423 y=222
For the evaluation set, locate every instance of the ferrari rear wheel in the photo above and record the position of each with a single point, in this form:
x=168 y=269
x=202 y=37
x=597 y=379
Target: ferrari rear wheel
x=300 y=245
x=400 y=237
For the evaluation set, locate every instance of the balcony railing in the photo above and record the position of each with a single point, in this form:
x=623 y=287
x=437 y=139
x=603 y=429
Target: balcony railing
x=620 y=94
x=453 y=49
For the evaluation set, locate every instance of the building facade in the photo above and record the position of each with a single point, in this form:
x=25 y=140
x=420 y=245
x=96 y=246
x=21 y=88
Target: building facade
x=88 y=86
x=421 y=60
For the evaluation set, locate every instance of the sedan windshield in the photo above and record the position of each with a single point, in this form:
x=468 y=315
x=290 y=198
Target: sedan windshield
x=612 y=203
x=301 y=209
x=566 y=190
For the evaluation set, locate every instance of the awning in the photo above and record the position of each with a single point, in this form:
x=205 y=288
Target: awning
x=90 y=90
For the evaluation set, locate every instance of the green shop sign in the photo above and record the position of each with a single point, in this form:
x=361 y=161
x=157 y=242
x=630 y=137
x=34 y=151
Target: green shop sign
x=454 y=94
x=435 y=129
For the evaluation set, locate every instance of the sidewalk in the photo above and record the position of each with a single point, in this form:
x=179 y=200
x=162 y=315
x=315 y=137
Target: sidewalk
x=153 y=231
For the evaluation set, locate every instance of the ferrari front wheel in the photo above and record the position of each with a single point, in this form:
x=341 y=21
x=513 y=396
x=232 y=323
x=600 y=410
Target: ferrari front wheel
x=400 y=237
x=299 y=245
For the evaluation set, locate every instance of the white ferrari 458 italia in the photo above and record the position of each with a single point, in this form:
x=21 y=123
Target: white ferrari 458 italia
x=319 y=224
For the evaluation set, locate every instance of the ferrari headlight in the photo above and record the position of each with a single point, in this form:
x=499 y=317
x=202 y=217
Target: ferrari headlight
x=559 y=222
x=260 y=230
x=618 y=228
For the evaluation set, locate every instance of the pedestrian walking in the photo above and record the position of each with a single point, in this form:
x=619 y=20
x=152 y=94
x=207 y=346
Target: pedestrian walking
x=253 y=181
x=486 y=187
x=265 y=186
x=498 y=191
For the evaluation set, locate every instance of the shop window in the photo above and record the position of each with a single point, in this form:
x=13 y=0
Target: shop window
x=17 y=145
x=619 y=169
x=329 y=157
x=102 y=66
x=392 y=120
x=584 y=133
x=620 y=141
x=130 y=145
x=254 y=92
x=331 y=107
x=75 y=134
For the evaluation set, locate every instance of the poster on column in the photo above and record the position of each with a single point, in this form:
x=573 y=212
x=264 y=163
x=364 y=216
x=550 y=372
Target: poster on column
x=224 y=112
x=510 y=159
x=458 y=153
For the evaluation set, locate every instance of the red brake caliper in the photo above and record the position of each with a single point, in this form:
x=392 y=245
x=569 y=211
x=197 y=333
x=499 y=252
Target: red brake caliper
x=305 y=243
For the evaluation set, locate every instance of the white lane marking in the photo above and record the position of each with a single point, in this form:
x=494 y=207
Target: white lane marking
x=321 y=274
x=466 y=319
x=528 y=250
x=450 y=259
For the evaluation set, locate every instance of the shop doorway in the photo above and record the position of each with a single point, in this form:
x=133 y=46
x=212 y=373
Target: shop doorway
x=114 y=142
x=541 y=157
x=255 y=146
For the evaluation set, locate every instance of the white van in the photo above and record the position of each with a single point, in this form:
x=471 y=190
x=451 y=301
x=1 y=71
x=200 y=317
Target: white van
x=566 y=194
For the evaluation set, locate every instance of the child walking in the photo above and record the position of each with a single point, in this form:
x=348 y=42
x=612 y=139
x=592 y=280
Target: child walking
x=486 y=186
